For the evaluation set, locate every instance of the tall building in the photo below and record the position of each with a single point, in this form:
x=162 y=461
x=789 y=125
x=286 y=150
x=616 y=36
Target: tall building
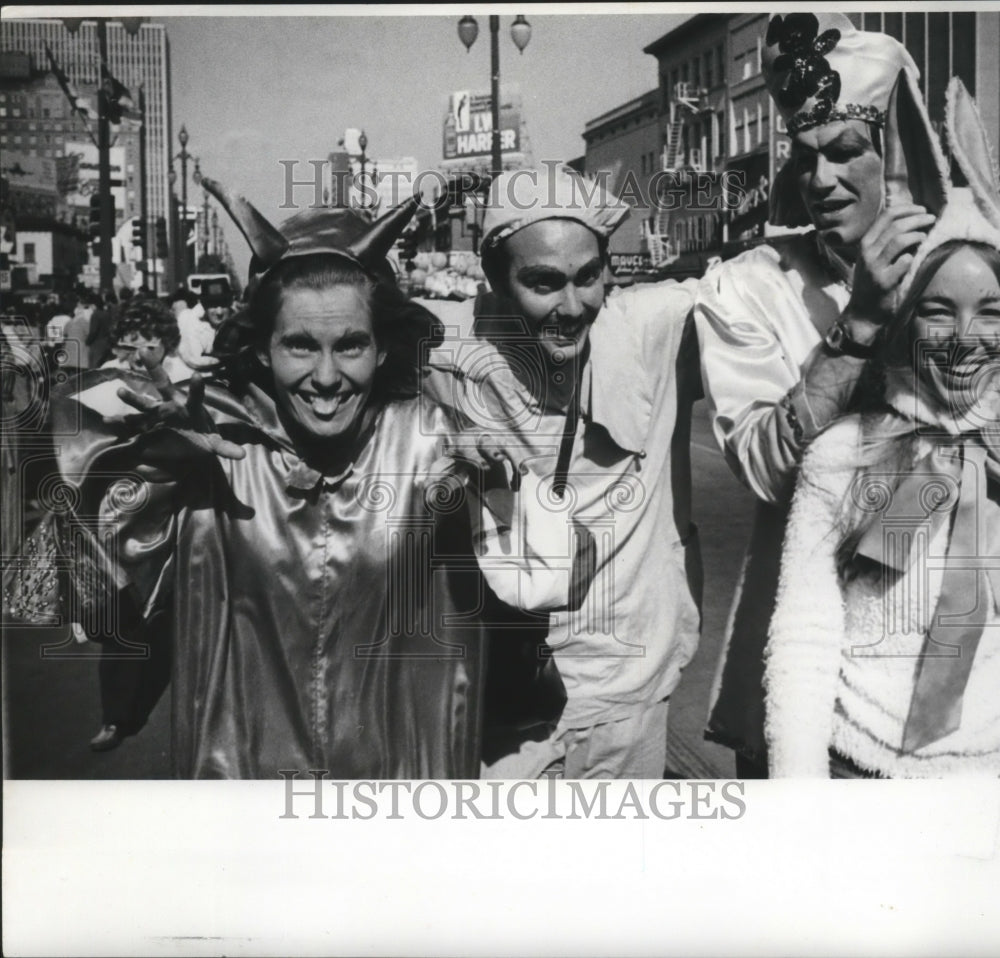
x=756 y=138
x=964 y=44
x=687 y=213
x=139 y=61
x=632 y=129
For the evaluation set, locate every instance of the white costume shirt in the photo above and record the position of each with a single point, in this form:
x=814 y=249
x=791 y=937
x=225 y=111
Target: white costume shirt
x=636 y=626
x=841 y=658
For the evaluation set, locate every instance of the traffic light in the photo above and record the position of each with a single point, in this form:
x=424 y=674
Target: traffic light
x=139 y=232
x=407 y=244
x=95 y=217
x=162 y=246
x=94 y=228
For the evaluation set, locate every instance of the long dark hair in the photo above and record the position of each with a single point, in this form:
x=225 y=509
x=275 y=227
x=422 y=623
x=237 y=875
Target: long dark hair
x=889 y=441
x=403 y=330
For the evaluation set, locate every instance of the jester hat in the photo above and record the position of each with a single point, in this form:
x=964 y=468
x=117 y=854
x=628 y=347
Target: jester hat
x=819 y=68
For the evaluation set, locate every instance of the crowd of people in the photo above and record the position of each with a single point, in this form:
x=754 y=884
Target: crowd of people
x=396 y=539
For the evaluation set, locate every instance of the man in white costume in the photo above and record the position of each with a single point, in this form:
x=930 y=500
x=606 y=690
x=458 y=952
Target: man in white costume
x=785 y=329
x=587 y=396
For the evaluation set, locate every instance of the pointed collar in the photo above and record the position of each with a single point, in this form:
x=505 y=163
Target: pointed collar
x=613 y=390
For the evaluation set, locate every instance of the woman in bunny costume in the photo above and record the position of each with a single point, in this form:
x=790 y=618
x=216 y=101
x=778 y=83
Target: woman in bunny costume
x=884 y=651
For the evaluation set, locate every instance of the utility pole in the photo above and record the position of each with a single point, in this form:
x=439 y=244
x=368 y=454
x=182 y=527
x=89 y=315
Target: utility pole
x=144 y=203
x=107 y=207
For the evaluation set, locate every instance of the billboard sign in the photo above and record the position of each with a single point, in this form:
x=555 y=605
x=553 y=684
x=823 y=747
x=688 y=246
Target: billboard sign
x=631 y=262
x=468 y=125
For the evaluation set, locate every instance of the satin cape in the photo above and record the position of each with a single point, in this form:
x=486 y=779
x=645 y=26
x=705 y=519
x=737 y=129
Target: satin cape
x=319 y=622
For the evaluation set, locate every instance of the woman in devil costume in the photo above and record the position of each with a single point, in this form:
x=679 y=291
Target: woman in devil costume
x=320 y=586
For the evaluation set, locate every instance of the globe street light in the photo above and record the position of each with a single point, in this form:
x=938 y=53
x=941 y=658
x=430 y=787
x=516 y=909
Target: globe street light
x=520 y=32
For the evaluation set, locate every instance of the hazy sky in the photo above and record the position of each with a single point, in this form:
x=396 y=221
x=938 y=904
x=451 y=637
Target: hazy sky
x=253 y=90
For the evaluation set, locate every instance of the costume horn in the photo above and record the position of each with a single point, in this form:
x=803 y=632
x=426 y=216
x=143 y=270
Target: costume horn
x=915 y=167
x=266 y=243
x=971 y=148
x=371 y=248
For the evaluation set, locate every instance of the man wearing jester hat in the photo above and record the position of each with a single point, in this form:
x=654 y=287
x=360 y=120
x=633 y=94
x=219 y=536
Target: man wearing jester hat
x=786 y=329
x=322 y=594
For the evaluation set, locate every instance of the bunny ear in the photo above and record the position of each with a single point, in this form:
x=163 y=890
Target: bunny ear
x=971 y=148
x=915 y=168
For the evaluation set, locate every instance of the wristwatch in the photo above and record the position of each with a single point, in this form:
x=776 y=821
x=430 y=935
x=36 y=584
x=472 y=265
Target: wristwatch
x=839 y=341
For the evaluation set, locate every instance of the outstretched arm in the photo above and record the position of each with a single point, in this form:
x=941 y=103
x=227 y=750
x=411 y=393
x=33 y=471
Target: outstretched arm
x=176 y=428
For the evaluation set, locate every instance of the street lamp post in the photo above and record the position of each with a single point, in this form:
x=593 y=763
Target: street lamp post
x=204 y=208
x=183 y=156
x=363 y=143
x=215 y=232
x=520 y=32
x=172 y=223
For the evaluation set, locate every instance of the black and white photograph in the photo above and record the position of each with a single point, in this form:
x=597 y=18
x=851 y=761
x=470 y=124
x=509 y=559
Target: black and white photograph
x=548 y=457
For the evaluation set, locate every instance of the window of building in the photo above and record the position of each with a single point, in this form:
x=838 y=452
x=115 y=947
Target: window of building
x=938 y=65
x=963 y=48
x=696 y=72
x=709 y=77
x=45 y=112
x=29 y=252
x=3 y=111
x=893 y=25
x=719 y=67
x=15 y=111
x=916 y=42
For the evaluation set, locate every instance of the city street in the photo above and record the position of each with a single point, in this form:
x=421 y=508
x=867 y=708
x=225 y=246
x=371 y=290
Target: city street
x=53 y=705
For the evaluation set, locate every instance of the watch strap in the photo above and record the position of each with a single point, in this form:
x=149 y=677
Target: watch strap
x=839 y=341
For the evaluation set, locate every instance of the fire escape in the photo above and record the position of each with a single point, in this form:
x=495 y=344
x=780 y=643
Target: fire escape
x=686 y=101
